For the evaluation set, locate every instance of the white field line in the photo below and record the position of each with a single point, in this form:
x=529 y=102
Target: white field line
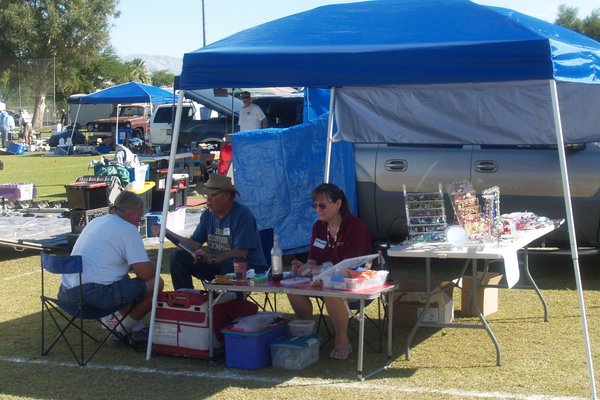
x=12 y=277
x=295 y=382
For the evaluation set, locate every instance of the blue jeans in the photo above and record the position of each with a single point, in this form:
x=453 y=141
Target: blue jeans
x=105 y=297
x=183 y=269
x=4 y=138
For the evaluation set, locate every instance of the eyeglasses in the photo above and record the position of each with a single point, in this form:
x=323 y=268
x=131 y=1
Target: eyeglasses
x=321 y=206
x=215 y=195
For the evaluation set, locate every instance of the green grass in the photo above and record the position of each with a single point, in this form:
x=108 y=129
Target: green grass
x=539 y=359
x=49 y=174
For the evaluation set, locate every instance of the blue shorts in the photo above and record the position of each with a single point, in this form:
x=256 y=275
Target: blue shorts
x=105 y=297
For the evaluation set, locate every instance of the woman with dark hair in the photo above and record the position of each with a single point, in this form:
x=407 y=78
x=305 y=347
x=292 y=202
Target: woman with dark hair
x=336 y=236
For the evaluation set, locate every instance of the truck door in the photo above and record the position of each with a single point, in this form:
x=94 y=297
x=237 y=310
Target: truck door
x=383 y=169
x=529 y=179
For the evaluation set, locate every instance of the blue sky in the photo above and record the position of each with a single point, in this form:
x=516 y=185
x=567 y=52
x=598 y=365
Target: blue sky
x=172 y=28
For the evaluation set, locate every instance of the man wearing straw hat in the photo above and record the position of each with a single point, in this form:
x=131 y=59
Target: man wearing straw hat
x=229 y=231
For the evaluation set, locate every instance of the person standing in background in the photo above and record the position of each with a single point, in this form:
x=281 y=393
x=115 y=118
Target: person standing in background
x=251 y=116
x=63 y=118
x=25 y=124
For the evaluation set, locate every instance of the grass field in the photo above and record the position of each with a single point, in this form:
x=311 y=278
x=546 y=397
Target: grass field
x=49 y=174
x=539 y=360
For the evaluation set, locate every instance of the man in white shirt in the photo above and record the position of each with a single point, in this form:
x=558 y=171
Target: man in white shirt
x=251 y=116
x=25 y=123
x=111 y=248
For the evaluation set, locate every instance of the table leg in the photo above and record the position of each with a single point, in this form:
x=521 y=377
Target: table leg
x=532 y=282
x=475 y=305
x=415 y=328
x=361 y=338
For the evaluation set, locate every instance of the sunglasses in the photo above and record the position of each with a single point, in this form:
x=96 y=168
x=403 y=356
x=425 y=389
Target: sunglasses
x=321 y=206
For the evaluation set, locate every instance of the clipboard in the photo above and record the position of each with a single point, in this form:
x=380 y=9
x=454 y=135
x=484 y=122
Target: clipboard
x=171 y=236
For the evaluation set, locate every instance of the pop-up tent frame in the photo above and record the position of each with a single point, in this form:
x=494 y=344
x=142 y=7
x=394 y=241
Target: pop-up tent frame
x=448 y=45
x=130 y=92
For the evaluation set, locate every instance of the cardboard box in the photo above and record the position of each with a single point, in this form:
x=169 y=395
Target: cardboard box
x=410 y=298
x=487 y=298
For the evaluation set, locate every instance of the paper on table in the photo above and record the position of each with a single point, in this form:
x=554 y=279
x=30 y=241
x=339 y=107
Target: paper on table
x=511 y=268
x=347 y=263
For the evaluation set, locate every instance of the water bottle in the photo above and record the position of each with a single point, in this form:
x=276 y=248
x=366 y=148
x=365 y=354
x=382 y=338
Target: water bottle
x=276 y=260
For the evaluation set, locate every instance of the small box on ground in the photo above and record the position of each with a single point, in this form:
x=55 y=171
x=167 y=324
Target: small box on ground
x=15 y=148
x=410 y=299
x=81 y=217
x=17 y=191
x=181 y=325
x=247 y=350
x=295 y=352
x=487 y=297
x=87 y=195
x=175 y=220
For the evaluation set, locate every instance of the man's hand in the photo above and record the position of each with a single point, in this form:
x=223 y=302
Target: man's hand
x=201 y=256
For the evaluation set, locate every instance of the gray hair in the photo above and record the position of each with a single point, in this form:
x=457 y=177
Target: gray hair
x=127 y=201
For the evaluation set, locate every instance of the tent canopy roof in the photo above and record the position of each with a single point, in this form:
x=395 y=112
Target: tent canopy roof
x=394 y=42
x=130 y=92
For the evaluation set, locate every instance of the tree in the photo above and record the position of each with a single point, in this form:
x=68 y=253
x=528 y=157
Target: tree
x=138 y=71
x=162 y=78
x=72 y=33
x=589 y=26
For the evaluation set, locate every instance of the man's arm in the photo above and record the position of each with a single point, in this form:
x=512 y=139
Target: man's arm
x=143 y=270
x=263 y=123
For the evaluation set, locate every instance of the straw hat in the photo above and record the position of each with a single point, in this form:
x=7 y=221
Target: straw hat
x=216 y=183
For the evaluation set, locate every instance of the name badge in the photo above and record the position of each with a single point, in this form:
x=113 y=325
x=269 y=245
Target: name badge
x=226 y=232
x=319 y=243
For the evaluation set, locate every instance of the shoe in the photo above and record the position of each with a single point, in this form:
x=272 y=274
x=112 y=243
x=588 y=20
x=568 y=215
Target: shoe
x=340 y=353
x=139 y=339
x=117 y=339
x=111 y=320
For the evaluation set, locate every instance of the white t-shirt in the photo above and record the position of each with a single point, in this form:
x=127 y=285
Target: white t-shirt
x=109 y=245
x=250 y=118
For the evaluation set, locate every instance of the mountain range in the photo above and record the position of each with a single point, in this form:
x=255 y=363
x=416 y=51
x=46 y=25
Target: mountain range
x=158 y=63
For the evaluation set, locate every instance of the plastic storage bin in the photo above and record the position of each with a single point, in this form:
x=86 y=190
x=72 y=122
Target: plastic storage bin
x=137 y=177
x=251 y=350
x=301 y=327
x=295 y=352
x=80 y=218
x=87 y=195
x=16 y=148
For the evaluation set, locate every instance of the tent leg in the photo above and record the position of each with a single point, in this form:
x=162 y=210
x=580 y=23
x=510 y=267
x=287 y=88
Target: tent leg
x=163 y=225
x=329 y=136
x=571 y=225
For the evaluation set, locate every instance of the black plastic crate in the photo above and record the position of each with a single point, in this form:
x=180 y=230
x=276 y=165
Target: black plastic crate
x=142 y=227
x=87 y=195
x=158 y=198
x=81 y=217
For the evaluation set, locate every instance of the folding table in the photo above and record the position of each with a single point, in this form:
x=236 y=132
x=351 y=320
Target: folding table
x=307 y=290
x=505 y=249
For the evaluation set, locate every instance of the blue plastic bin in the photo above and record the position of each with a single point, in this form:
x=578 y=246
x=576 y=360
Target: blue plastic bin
x=251 y=350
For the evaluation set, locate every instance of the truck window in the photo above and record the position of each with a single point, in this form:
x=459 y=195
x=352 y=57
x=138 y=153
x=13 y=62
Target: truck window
x=164 y=115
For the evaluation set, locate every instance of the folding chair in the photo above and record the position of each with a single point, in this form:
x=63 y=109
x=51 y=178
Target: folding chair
x=66 y=316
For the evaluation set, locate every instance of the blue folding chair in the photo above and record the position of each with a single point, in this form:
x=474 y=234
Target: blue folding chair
x=67 y=316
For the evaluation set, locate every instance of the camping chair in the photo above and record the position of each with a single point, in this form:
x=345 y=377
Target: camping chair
x=66 y=316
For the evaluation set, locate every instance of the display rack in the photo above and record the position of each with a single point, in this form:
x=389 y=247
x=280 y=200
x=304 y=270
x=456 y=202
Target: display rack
x=425 y=215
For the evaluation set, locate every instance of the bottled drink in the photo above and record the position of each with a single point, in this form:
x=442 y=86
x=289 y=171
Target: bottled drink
x=276 y=260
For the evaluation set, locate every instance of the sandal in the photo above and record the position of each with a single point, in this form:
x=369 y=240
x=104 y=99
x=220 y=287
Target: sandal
x=340 y=353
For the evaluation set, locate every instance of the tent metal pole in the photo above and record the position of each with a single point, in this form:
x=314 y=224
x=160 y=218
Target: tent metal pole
x=329 y=135
x=117 y=125
x=73 y=127
x=163 y=225
x=571 y=226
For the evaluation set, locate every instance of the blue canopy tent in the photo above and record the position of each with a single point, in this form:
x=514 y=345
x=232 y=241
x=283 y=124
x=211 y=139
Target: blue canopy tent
x=378 y=56
x=130 y=92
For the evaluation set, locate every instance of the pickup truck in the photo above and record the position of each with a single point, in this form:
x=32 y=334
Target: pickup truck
x=134 y=117
x=208 y=118
x=528 y=177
